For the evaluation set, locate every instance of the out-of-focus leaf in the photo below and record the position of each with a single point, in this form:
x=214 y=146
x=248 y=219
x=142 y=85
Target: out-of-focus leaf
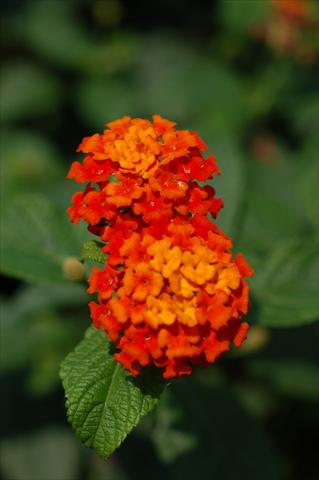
x=229 y=185
x=305 y=109
x=103 y=402
x=215 y=418
x=287 y=286
x=29 y=160
x=217 y=98
x=293 y=378
x=308 y=179
x=270 y=87
x=309 y=191
x=271 y=213
x=162 y=69
x=110 y=470
x=27 y=91
x=52 y=339
x=101 y=101
x=257 y=399
x=169 y=441
x=36 y=238
x=243 y=16
x=52 y=30
x=178 y=83
x=269 y=178
x=266 y=222
x=27 y=312
x=46 y=455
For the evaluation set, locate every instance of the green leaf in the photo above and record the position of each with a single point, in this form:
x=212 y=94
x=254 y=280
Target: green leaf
x=104 y=402
x=36 y=238
x=287 y=286
x=91 y=250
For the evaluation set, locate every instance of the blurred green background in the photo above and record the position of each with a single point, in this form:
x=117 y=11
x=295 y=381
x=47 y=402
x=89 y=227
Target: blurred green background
x=229 y=70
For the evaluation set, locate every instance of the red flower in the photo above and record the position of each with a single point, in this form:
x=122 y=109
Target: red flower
x=103 y=317
x=91 y=207
x=122 y=194
x=197 y=168
x=170 y=294
x=91 y=170
x=168 y=185
x=152 y=207
x=104 y=282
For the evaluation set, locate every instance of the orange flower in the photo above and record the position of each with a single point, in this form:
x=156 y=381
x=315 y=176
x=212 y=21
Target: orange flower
x=136 y=147
x=293 y=9
x=91 y=170
x=168 y=185
x=103 y=282
x=122 y=194
x=188 y=302
x=153 y=208
x=178 y=143
x=170 y=294
x=141 y=282
x=91 y=206
x=291 y=29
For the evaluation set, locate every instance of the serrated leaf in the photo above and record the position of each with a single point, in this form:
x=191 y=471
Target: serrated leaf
x=104 y=403
x=36 y=238
x=91 y=250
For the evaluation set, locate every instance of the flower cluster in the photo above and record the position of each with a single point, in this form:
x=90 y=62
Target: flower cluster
x=291 y=28
x=170 y=293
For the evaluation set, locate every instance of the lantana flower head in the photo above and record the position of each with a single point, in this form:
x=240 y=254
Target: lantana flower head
x=291 y=28
x=170 y=294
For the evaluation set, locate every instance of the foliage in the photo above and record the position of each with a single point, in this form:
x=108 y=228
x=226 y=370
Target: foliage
x=103 y=402
x=68 y=69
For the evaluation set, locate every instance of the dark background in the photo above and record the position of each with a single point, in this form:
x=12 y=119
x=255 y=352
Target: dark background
x=242 y=73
